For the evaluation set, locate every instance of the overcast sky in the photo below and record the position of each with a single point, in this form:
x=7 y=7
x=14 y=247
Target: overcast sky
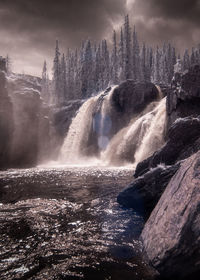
x=29 y=28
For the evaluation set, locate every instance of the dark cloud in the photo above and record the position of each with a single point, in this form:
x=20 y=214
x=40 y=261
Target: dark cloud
x=29 y=28
x=186 y=10
x=167 y=20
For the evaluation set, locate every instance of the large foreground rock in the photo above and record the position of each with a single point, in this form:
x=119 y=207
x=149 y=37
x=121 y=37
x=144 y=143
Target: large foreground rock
x=171 y=236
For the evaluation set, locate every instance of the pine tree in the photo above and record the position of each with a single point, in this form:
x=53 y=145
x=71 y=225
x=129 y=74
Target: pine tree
x=121 y=74
x=114 y=61
x=45 y=84
x=76 y=93
x=157 y=67
x=63 y=81
x=87 y=85
x=149 y=64
x=127 y=49
x=105 y=65
x=164 y=64
x=56 y=76
x=98 y=70
x=136 y=65
x=186 y=60
x=143 y=63
x=170 y=62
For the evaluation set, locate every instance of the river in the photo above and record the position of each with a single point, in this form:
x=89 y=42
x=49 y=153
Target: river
x=65 y=223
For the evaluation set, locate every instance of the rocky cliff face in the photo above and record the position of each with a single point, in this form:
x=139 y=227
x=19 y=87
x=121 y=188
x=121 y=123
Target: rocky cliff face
x=183 y=99
x=31 y=131
x=6 y=119
x=171 y=236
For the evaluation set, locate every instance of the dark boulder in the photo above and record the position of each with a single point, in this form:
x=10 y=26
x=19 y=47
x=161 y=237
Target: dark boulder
x=143 y=194
x=130 y=97
x=171 y=235
x=183 y=141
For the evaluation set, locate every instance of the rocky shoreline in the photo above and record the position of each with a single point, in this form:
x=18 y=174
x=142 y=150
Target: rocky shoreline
x=166 y=186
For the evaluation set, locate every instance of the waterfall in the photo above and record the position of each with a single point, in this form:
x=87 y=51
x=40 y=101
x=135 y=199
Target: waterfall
x=92 y=118
x=143 y=136
x=78 y=133
x=90 y=141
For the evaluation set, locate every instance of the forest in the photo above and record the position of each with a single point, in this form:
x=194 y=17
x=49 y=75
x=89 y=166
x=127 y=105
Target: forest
x=86 y=71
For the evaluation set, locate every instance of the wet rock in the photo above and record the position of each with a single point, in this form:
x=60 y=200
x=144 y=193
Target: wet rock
x=131 y=97
x=184 y=140
x=171 y=235
x=143 y=193
x=183 y=99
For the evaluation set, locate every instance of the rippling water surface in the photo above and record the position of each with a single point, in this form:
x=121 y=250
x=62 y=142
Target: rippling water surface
x=65 y=223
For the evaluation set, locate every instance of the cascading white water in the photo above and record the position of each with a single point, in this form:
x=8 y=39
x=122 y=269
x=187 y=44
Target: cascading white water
x=139 y=139
x=142 y=137
x=77 y=139
x=78 y=132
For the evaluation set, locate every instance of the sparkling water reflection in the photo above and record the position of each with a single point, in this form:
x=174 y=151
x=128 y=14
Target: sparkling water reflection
x=64 y=223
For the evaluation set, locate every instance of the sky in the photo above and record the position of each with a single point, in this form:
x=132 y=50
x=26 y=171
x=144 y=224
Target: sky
x=29 y=28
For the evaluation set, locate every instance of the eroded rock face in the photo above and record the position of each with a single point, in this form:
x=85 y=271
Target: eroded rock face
x=183 y=99
x=25 y=142
x=31 y=141
x=143 y=194
x=171 y=236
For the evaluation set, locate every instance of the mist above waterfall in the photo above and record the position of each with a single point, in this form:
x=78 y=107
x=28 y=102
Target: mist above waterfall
x=100 y=134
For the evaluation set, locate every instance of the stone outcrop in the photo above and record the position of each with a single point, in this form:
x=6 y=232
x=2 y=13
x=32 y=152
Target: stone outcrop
x=183 y=99
x=171 y=236
x=143 y=194
x=6 y=118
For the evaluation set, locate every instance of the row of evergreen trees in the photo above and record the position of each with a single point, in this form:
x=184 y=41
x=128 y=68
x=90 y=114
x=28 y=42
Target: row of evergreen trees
x=92 y=68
